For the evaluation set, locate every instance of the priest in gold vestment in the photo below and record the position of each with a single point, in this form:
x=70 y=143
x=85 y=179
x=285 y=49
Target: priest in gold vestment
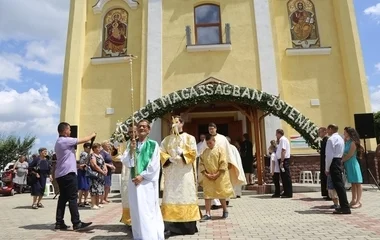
x=216 y=182
x=179 y=206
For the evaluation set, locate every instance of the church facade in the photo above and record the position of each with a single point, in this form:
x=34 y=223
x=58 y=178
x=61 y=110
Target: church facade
x=249 y=66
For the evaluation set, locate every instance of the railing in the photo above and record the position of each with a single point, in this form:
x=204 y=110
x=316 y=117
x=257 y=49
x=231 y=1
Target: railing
x=227 y=30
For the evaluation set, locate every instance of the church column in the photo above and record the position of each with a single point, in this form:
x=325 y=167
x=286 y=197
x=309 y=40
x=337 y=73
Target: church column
x=267 y=61
x=154 y=60
x=73 y=70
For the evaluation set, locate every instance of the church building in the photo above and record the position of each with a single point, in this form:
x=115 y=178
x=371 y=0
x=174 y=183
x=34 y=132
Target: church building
x=250 y=66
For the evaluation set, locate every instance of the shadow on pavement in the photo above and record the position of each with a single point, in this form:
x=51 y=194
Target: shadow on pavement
x=49 y=227
x=322 y=207
x=113 y=228
x=116 y=237
x=314 y=211
x=263 y=197
x=24 y=207
x=310 y=199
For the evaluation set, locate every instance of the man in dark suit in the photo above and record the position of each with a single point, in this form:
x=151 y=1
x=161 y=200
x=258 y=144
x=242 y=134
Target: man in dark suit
x=323 y=134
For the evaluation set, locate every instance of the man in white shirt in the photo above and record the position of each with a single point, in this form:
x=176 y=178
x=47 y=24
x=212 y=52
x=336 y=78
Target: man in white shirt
x=202 y=138
x=334 y=153
x=283 y=156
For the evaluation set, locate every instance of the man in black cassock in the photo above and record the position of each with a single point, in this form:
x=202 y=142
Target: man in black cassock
x=323 y=134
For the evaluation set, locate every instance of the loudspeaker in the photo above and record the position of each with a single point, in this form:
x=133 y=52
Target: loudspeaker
x=364 y=125
x=74 y=132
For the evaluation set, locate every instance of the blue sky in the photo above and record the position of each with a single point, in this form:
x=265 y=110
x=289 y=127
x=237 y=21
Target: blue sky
x=32 y=48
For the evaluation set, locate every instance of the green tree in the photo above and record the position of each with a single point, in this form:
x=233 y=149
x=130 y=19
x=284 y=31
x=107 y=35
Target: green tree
x=376 y=117
x=11 y=147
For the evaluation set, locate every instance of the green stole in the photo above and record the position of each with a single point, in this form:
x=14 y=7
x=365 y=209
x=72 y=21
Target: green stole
x=144 y=155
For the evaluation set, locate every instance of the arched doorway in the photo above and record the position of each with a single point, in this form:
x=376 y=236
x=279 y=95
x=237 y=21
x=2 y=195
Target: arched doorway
x=247 y=100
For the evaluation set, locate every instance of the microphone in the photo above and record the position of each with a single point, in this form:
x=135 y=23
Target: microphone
x=92 y=141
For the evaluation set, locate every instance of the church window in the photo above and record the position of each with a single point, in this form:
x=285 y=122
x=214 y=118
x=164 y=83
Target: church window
x=115 y=29
x=303 y=24
x=207 y=24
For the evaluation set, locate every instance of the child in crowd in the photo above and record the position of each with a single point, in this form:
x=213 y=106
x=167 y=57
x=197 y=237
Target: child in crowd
x=216 y=180
x=332 y=193
x=274 y=170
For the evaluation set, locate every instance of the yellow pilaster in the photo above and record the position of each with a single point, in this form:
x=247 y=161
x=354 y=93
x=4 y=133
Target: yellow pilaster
x=73 y=70
x=352 y=60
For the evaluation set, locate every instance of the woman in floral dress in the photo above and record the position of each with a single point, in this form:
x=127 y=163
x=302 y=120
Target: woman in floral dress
x=98 y=165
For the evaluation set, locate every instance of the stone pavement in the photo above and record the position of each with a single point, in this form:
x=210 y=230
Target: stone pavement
x=305 y=216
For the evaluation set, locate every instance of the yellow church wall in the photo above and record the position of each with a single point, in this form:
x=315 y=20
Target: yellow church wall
x=71 y=88
x=334 y=79
x=320 y=77
x=108 y=85
x=183 y=69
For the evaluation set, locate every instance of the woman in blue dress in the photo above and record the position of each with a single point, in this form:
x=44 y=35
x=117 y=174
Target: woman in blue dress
x=83 y=181
x=352 y=149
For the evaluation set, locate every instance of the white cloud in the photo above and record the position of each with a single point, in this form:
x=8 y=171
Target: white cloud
x=9 y=70
x=375 y=98
x=28 y=112
x=22 y=20
x=377 y=66
x=373 y=11
x=44 y=56
x=37 y=31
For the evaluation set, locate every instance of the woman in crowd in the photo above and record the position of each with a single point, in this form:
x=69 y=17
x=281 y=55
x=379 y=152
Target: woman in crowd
x=352 y=149
x=106 y=154
x=21 y=170
x=98 y=165
x=83 y=181
x=41 y=169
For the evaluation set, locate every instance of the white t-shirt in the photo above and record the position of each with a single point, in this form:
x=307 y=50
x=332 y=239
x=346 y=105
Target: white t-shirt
x=274 y=160
x=283 y=144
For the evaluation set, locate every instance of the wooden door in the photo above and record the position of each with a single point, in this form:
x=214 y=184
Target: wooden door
x=192 y=129
x=235 y=130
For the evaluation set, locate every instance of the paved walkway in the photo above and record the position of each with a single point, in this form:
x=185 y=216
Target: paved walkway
x=251 y=217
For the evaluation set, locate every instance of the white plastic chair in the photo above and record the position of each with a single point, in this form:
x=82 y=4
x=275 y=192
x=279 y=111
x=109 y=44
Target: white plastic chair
x=317 y=179
x=306 y=177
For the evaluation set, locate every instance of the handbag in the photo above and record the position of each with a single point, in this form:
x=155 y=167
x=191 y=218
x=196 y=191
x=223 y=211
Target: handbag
x=91 y=173
x=31 y=178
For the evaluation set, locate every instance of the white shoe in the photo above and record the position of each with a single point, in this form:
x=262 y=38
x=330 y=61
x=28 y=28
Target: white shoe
x=100 y=206
x=95 y=207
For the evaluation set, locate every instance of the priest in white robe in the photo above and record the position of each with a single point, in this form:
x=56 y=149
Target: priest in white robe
x=236 y=176
x=179 y=207
x=143 y=161
x=125 y=176
x=235 y=152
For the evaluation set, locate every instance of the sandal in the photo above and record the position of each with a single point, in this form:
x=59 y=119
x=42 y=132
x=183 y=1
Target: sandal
x=40 y=205
x=34 y=206
x=358 y=205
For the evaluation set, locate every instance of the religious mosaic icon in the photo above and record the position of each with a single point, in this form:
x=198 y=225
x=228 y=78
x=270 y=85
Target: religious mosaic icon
x=115 y=33
x=303 y=24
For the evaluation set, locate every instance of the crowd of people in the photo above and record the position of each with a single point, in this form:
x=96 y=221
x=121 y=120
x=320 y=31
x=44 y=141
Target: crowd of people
x=219 y=167
x=339 y=163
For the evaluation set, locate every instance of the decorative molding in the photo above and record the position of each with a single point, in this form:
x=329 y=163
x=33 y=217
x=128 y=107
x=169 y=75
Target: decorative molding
x=153 y=86
x=267 y=60
x=209 y=48
x=109 y=60
x=308 y=51
x=98 y=7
